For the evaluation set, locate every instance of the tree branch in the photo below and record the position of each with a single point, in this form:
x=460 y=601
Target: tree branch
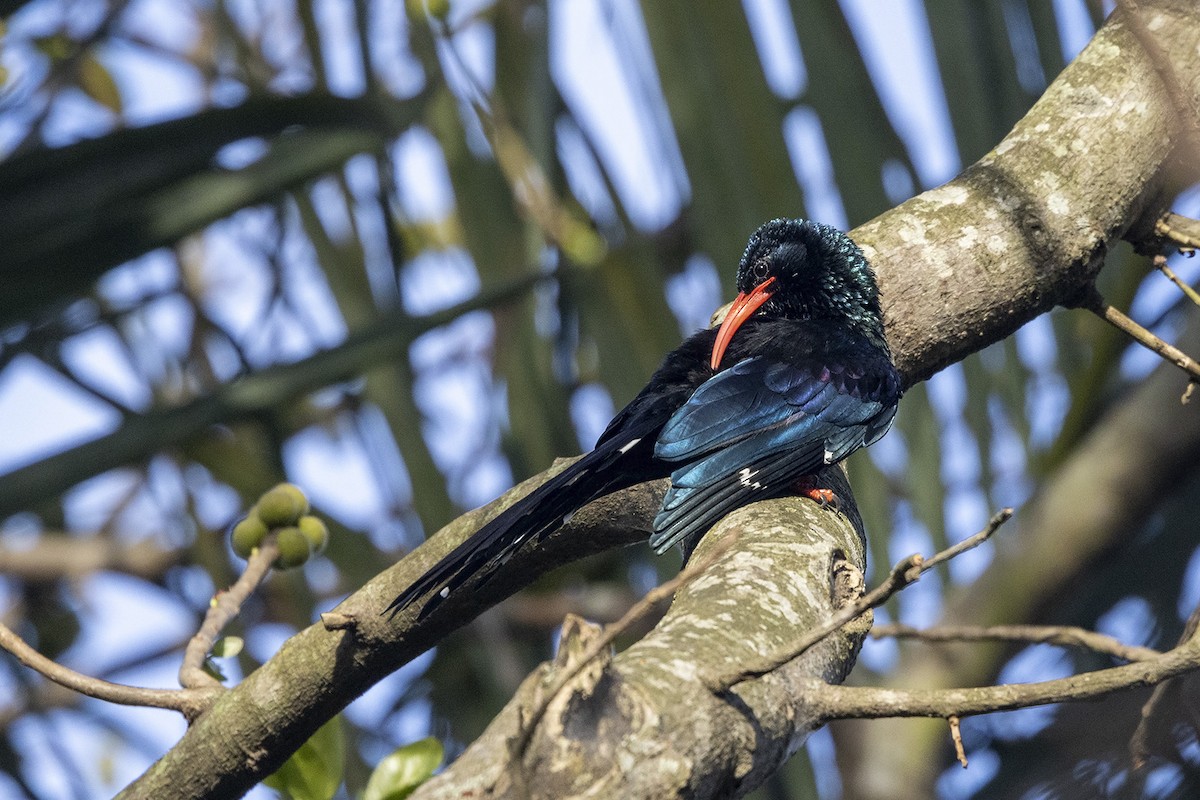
x=1157 y=707
x=200 y=688
x=58 y=556
x=860 y=702
x=1182 y=231
x=1121 y=322
x=190 y=702
x=1135 y=457
x=1064 y=635
x=617 y=710
x=1160 y=263
x=224 y=607
x=960 y=267
x=902 y=575
x=1184 y=103
x=604 y=640
x=1026 y=228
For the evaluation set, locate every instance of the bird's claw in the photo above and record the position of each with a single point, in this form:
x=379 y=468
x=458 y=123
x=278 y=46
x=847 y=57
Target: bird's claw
x=825 y=498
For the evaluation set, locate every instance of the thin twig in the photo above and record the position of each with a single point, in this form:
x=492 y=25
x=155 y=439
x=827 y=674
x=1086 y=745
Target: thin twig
x=956 y=735
x=187 y=701
x=1160 y=263
x=602 y=642
x=834 y=701
x=1097 y=305
x=1065 y=635
x=904 y=573
x=1183 y=231
x=221 y=611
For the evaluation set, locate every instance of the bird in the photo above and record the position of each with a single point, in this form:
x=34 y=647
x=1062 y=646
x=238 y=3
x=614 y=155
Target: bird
x=797 y=377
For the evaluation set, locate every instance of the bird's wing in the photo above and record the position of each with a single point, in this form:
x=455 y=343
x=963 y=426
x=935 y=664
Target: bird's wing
x=754 y=429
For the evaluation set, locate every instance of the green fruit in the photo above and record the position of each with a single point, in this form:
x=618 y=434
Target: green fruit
x=315 y=530
x=282 y=505
x=294 y=548
x=247 y=535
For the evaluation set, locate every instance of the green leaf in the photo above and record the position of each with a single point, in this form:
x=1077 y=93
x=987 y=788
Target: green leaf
x=227 y=647
x=98 y=83
x=398 y=775
x=314 y=772
x=56 y=47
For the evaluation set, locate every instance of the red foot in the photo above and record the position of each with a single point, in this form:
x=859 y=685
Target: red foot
x=825 y=498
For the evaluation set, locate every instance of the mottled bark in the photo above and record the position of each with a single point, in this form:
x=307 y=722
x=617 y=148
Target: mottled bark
x=1026 y=227
x=642 y=723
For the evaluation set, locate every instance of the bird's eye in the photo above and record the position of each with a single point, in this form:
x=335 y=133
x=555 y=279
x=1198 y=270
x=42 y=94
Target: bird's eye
x=760 y=270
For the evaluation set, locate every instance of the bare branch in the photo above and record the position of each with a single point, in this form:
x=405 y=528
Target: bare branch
x=1183 y=231
x=1065 y=635
x=605 y=640
x=58 y=556
x=221 y=611
x=904 y=573
x=956 y=735
x=858 y=702
x=1160 y=263
x=1096 y=304
x=189 y=702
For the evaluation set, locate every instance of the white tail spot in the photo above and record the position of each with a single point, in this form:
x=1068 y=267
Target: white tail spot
x=629 y=445
x=745 y=475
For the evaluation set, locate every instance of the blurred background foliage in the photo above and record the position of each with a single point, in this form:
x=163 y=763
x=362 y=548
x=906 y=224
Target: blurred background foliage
x=249 y=241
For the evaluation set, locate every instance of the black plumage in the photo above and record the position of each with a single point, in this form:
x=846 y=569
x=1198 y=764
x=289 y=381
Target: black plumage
x=798 y=377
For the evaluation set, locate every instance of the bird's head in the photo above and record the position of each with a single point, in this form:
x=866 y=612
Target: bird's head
x=797 y=269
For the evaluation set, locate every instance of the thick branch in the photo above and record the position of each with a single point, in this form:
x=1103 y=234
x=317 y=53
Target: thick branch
x=903 y=574
x=650 y=704
x=604 y=639
x=318 y=671
x=1026 y=228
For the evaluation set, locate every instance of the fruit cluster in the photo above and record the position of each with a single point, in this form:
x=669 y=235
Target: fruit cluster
x=282 y=511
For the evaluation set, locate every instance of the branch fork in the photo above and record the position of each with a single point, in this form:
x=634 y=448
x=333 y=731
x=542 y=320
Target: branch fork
x=200 y=689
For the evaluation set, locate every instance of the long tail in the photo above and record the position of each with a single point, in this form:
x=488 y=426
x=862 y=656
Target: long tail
x=613 y=465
